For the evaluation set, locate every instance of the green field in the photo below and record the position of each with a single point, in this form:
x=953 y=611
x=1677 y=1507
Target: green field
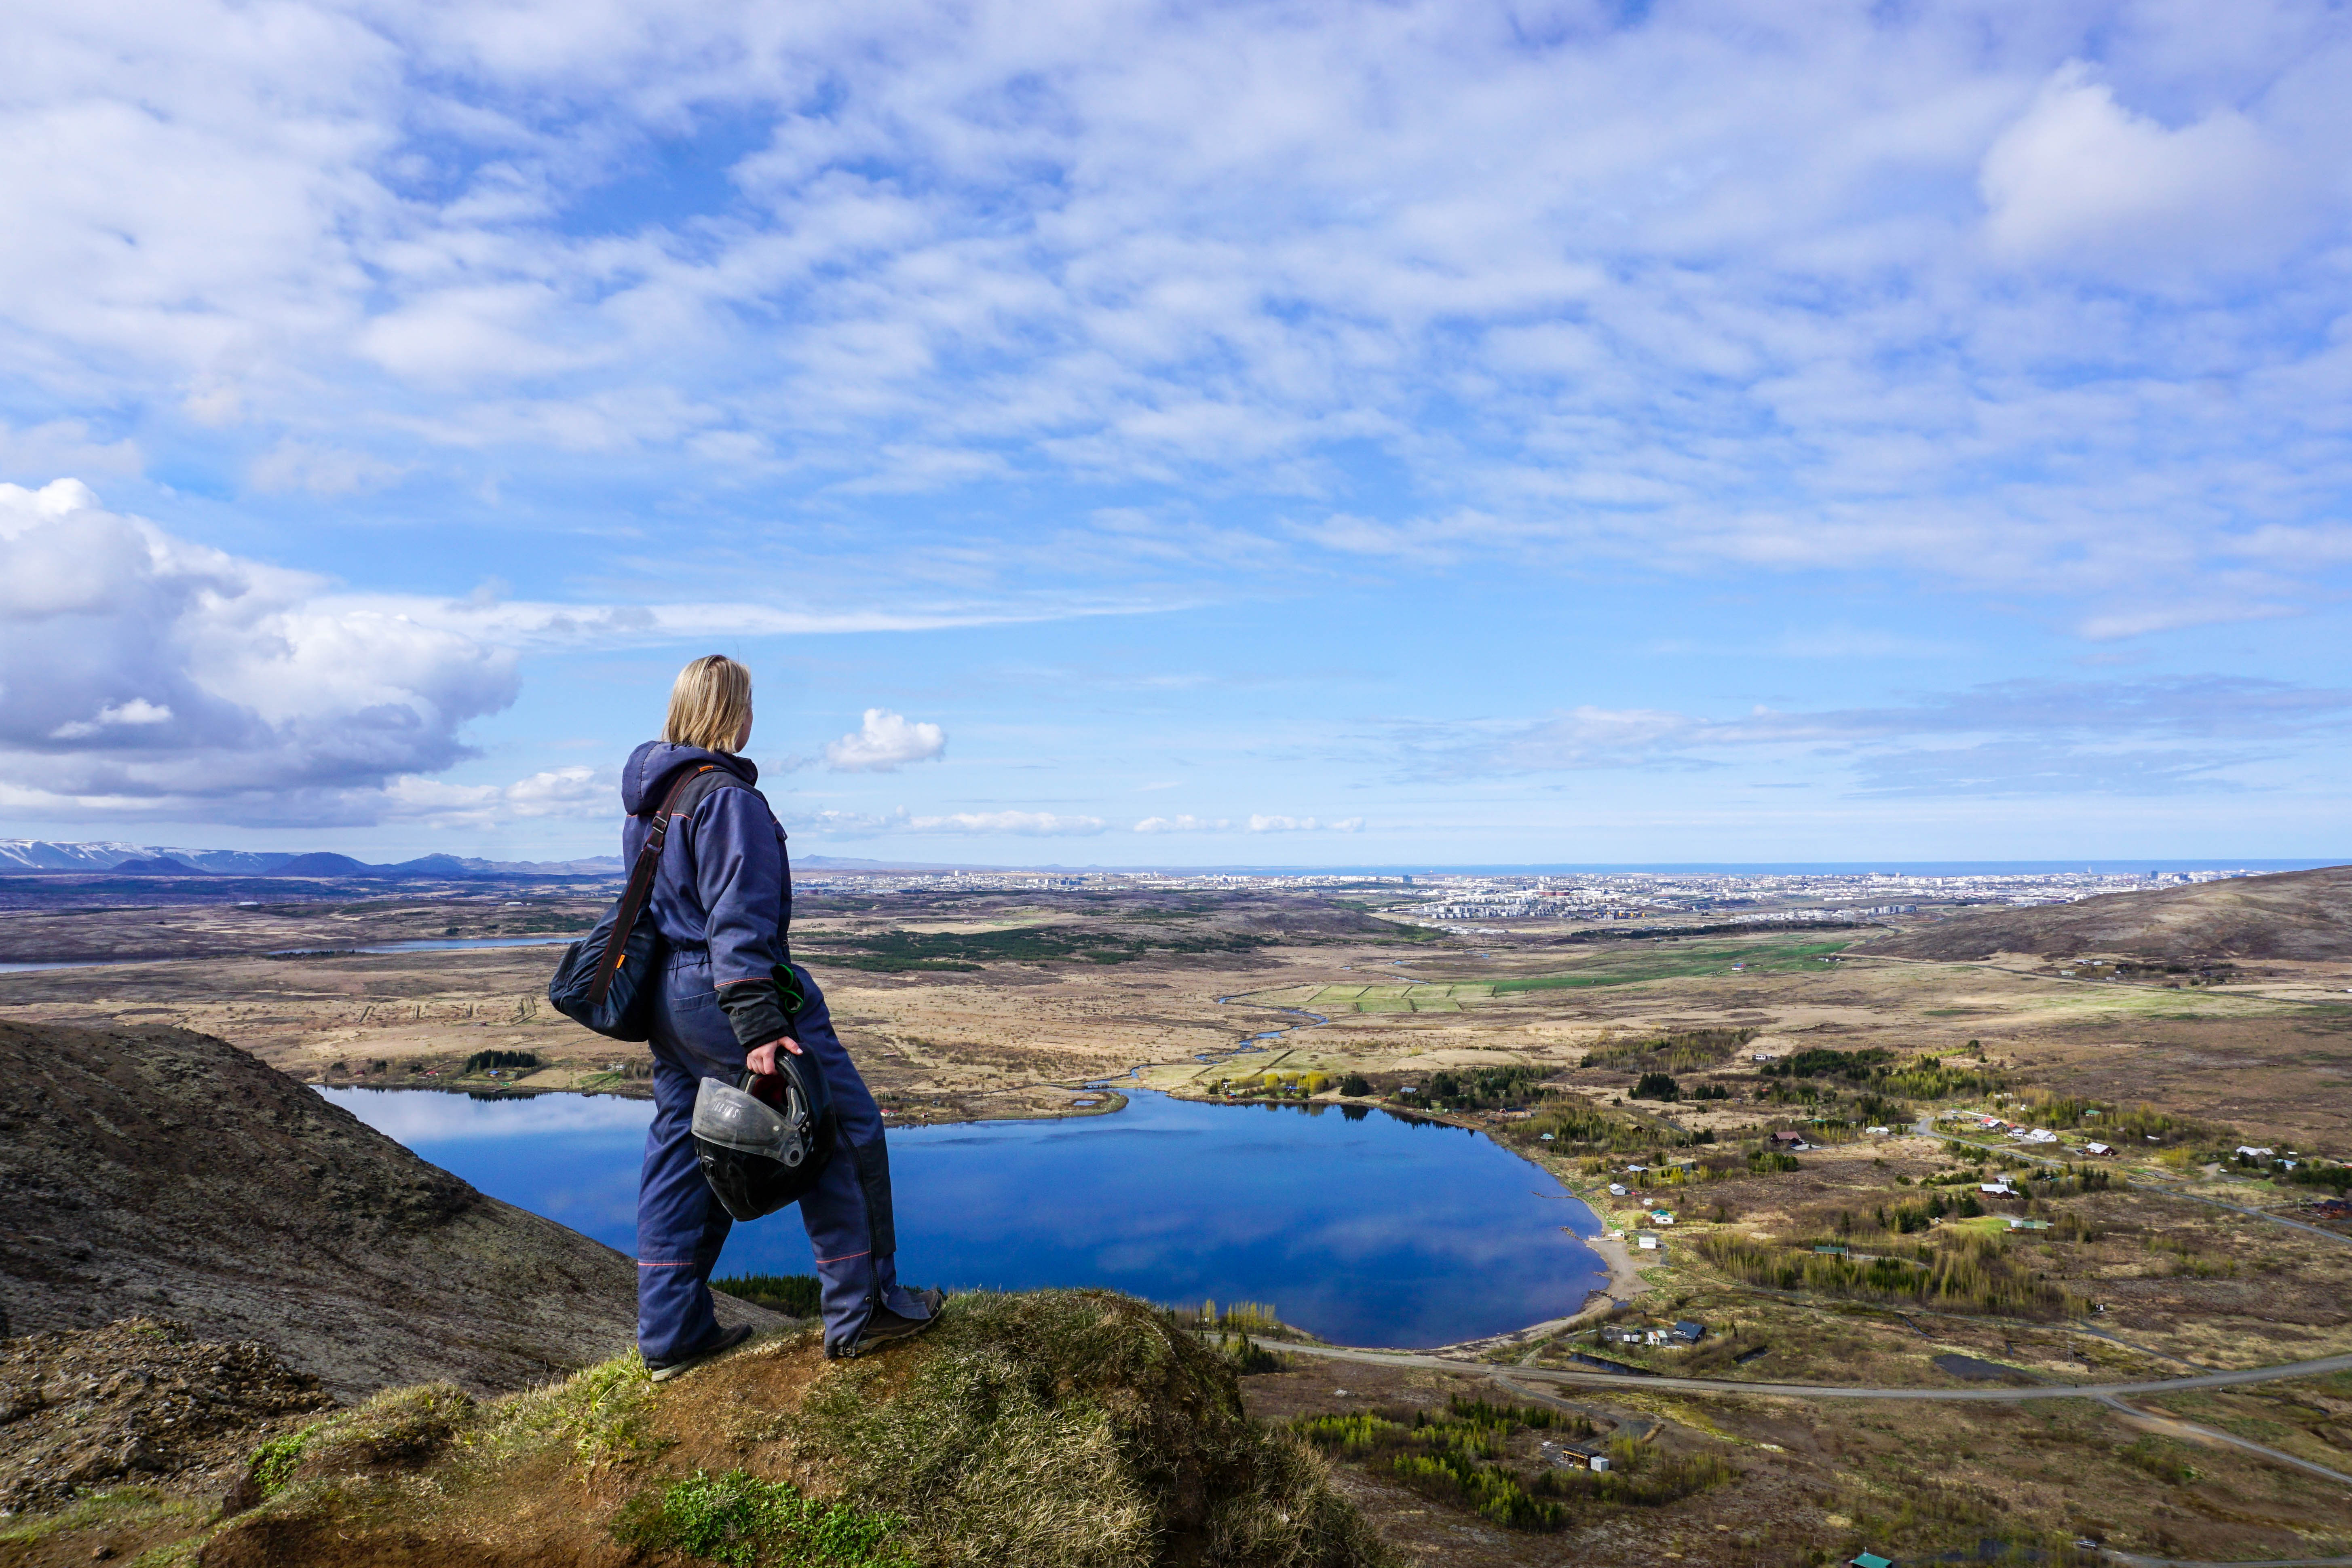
x=1628 y=967
x=1682 y=963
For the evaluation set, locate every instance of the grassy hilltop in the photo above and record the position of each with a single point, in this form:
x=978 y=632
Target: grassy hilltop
x=1054 y=1429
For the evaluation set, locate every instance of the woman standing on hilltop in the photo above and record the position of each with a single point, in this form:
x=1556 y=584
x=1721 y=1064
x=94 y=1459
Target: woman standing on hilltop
x=730 y=997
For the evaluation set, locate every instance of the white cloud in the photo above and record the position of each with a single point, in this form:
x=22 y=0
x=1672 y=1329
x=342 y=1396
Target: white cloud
x=138 y=711
x=2079 y=177
x=2126 y=736
x=1029 y=824
x=1305 y=825
x=142 y=673
x=884 y=744
x=1183 y=825
x=1695 y=285
x=579 y=792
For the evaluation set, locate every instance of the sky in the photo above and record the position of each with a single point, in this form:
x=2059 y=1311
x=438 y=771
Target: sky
x=1133 y=434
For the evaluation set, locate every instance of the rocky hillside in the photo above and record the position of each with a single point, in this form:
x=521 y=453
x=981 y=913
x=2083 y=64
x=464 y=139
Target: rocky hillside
x=138 y=1401
x=2295 y=915
x=157 y=1172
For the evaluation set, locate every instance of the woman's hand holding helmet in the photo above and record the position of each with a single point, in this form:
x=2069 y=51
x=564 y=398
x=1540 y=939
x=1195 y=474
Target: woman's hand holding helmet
x=762 y=1059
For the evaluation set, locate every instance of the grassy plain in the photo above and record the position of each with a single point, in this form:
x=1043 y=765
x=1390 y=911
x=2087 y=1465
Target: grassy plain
x=990 y=1005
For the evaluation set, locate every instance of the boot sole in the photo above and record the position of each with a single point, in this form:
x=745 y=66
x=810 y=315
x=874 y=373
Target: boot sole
x=679 y=1368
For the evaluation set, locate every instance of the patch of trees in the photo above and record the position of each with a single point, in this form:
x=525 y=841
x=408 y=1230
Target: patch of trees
x=1657 y=1085
x=1686 y=1051
x=1486 y=1088
x=794 y=1295
x=1969 y=1272
x=1928 y=1077
x=1571 y=1118
x=1355 y=1083
x=1908 y=1219
x=2068 y=1182
x=1820 y=1062
x=481 y=1061
x=2144 y=1122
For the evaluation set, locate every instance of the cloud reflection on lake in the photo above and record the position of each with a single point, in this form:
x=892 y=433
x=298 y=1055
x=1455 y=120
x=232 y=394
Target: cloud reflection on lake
x=1373 y=1230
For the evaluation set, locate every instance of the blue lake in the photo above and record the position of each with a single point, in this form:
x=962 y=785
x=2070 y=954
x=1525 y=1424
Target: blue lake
x=1374 y=1229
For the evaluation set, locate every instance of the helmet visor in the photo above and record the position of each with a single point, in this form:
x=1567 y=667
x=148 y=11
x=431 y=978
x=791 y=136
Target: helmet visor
x=728 y=1117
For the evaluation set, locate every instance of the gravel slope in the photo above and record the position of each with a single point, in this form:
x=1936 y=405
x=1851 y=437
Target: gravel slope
x=159 y=1172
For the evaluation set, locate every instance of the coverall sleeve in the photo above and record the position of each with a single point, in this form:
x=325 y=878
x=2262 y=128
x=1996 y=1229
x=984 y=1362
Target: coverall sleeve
x=745 y=888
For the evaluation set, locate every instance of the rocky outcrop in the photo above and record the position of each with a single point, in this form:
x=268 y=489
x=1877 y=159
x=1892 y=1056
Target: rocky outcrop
x=161 y=1172
x=138 y=1401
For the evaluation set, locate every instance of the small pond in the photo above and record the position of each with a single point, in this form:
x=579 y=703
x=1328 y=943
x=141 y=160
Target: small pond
x=427 y=944
x=1366 y=1228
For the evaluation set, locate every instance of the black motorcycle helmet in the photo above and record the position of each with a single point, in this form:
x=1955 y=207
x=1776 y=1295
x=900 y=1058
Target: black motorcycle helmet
x=763 y=1142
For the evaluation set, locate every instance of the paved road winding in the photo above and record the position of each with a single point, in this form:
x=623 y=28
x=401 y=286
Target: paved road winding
x=2235 y=1379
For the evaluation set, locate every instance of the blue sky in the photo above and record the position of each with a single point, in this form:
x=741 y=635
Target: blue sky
x=1134 y=434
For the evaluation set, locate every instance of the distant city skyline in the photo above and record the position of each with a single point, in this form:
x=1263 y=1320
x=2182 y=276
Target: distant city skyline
x=1370 y=435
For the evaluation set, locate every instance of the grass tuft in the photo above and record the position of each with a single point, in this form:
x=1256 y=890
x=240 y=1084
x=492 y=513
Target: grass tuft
x=604 y=1413
x=742 y=1522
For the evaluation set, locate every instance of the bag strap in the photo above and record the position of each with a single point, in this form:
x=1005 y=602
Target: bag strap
x=641 y=875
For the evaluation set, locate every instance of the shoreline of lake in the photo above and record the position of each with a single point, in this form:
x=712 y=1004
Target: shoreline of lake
x=1363 y=1230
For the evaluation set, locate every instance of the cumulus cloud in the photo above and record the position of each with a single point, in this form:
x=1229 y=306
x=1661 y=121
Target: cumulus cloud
x=144 y=674
x=1027 y=823
x=884 y=744
x=2079 y=177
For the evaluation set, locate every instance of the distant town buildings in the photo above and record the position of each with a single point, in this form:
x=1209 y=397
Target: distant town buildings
x=1477 y=906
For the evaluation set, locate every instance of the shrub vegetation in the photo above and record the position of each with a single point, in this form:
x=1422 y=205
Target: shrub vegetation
x=1967 y=1272
x=1464 y=1456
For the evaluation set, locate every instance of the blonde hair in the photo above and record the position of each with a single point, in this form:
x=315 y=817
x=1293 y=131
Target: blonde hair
x=709 y=705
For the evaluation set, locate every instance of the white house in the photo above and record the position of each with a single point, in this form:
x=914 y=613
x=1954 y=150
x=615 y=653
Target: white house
x=1616 y=1189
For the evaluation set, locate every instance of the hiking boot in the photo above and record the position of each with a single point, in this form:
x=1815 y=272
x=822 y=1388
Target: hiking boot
x=724 y=1341
x=885 y=1326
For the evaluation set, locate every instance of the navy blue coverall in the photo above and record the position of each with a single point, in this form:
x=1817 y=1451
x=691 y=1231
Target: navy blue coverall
x=722 y=902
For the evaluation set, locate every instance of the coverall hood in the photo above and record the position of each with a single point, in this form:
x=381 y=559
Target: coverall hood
x=653 y=767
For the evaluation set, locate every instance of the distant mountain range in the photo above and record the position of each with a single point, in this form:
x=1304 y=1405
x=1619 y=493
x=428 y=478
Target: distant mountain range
x=20 y=856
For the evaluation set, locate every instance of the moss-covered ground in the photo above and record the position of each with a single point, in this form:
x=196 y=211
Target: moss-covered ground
x=1054 y=1429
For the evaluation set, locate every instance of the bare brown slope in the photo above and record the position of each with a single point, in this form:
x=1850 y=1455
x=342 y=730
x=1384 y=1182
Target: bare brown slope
x=2294 y=915
x=166 y=1174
